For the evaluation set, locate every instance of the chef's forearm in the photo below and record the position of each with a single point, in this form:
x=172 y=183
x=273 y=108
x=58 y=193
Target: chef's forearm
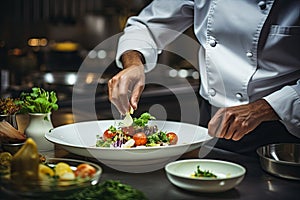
x=285 y=103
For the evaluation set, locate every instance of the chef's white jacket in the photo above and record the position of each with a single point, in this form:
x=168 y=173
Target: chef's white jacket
x=249 y=49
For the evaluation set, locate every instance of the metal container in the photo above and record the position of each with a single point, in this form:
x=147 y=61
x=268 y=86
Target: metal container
x=12 y=148
x=282 y=160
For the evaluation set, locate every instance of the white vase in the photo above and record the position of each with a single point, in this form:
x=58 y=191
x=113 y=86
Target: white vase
x=39 y=125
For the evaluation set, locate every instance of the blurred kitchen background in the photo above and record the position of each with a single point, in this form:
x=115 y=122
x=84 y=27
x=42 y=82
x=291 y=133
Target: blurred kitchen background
x=44 y=42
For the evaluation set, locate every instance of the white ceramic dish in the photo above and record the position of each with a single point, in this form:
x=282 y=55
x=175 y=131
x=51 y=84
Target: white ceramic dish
x=80 y=138
x=228 y=175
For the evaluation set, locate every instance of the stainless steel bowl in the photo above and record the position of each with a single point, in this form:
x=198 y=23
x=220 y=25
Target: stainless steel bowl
x=12 y=148
x=282 y=160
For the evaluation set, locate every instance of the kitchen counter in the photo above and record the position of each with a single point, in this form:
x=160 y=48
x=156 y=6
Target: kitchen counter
x=257 y=184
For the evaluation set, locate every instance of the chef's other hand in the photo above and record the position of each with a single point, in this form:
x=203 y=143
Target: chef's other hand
x=126 y=87
x=235 y=122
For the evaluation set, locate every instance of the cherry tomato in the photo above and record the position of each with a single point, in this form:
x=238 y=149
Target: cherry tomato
x=85 y=170
x=128 y=130
x=140 y=138
x=173 y=138
x=108 y=134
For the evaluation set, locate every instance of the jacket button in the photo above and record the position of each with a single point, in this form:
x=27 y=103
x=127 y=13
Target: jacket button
x=239 y=96
x=262 y=5
x=249 y=54
x=212 y=42
x=212 y=92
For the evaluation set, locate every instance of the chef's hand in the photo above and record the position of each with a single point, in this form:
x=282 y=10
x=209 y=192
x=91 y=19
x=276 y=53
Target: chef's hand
x=126 y=87
x=235 y=122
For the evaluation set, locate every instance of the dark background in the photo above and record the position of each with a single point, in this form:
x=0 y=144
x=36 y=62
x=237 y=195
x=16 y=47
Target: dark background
x=84 y=24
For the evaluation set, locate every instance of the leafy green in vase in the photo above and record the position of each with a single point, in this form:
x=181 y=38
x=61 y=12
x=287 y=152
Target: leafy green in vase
x=38 y=101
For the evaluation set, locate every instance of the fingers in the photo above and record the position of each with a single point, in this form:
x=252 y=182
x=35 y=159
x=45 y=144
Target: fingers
x=117 y=95
x=219 y=124
x=135 y=96
x=230 y=124
x=245 y=128
x=126 y=87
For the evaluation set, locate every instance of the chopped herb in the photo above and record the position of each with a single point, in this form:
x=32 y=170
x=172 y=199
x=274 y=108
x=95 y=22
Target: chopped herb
x=112 y=129
x=108 y=190
x=203 y=173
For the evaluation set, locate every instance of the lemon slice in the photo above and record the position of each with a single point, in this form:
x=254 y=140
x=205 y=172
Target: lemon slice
x=45 y=172
x=62 y=168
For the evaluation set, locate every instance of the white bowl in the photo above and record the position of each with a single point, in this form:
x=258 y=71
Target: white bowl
x=80 y=138
x=228 y=175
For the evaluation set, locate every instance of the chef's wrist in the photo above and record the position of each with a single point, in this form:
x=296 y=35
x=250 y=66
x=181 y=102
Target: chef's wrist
x=132 y=58
x=267 y=113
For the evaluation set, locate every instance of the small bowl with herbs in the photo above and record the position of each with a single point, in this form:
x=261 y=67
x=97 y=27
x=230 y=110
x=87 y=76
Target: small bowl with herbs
x=11 y=138
x=205 y=175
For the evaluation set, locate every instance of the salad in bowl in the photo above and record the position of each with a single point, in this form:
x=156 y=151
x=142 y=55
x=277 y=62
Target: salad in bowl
x=135 y=145
x=135 y=132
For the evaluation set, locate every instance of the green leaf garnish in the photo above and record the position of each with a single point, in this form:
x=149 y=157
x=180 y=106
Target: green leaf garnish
x=203 y=173
x=143 y=119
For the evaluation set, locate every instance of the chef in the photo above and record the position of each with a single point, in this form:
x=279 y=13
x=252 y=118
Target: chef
x=249 y=65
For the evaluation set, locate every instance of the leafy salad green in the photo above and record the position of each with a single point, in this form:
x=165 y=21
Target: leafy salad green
x=143 y=119
x=38 y=101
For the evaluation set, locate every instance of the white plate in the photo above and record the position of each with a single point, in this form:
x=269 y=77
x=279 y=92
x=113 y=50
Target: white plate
x=80 y=138
x=228 y=175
